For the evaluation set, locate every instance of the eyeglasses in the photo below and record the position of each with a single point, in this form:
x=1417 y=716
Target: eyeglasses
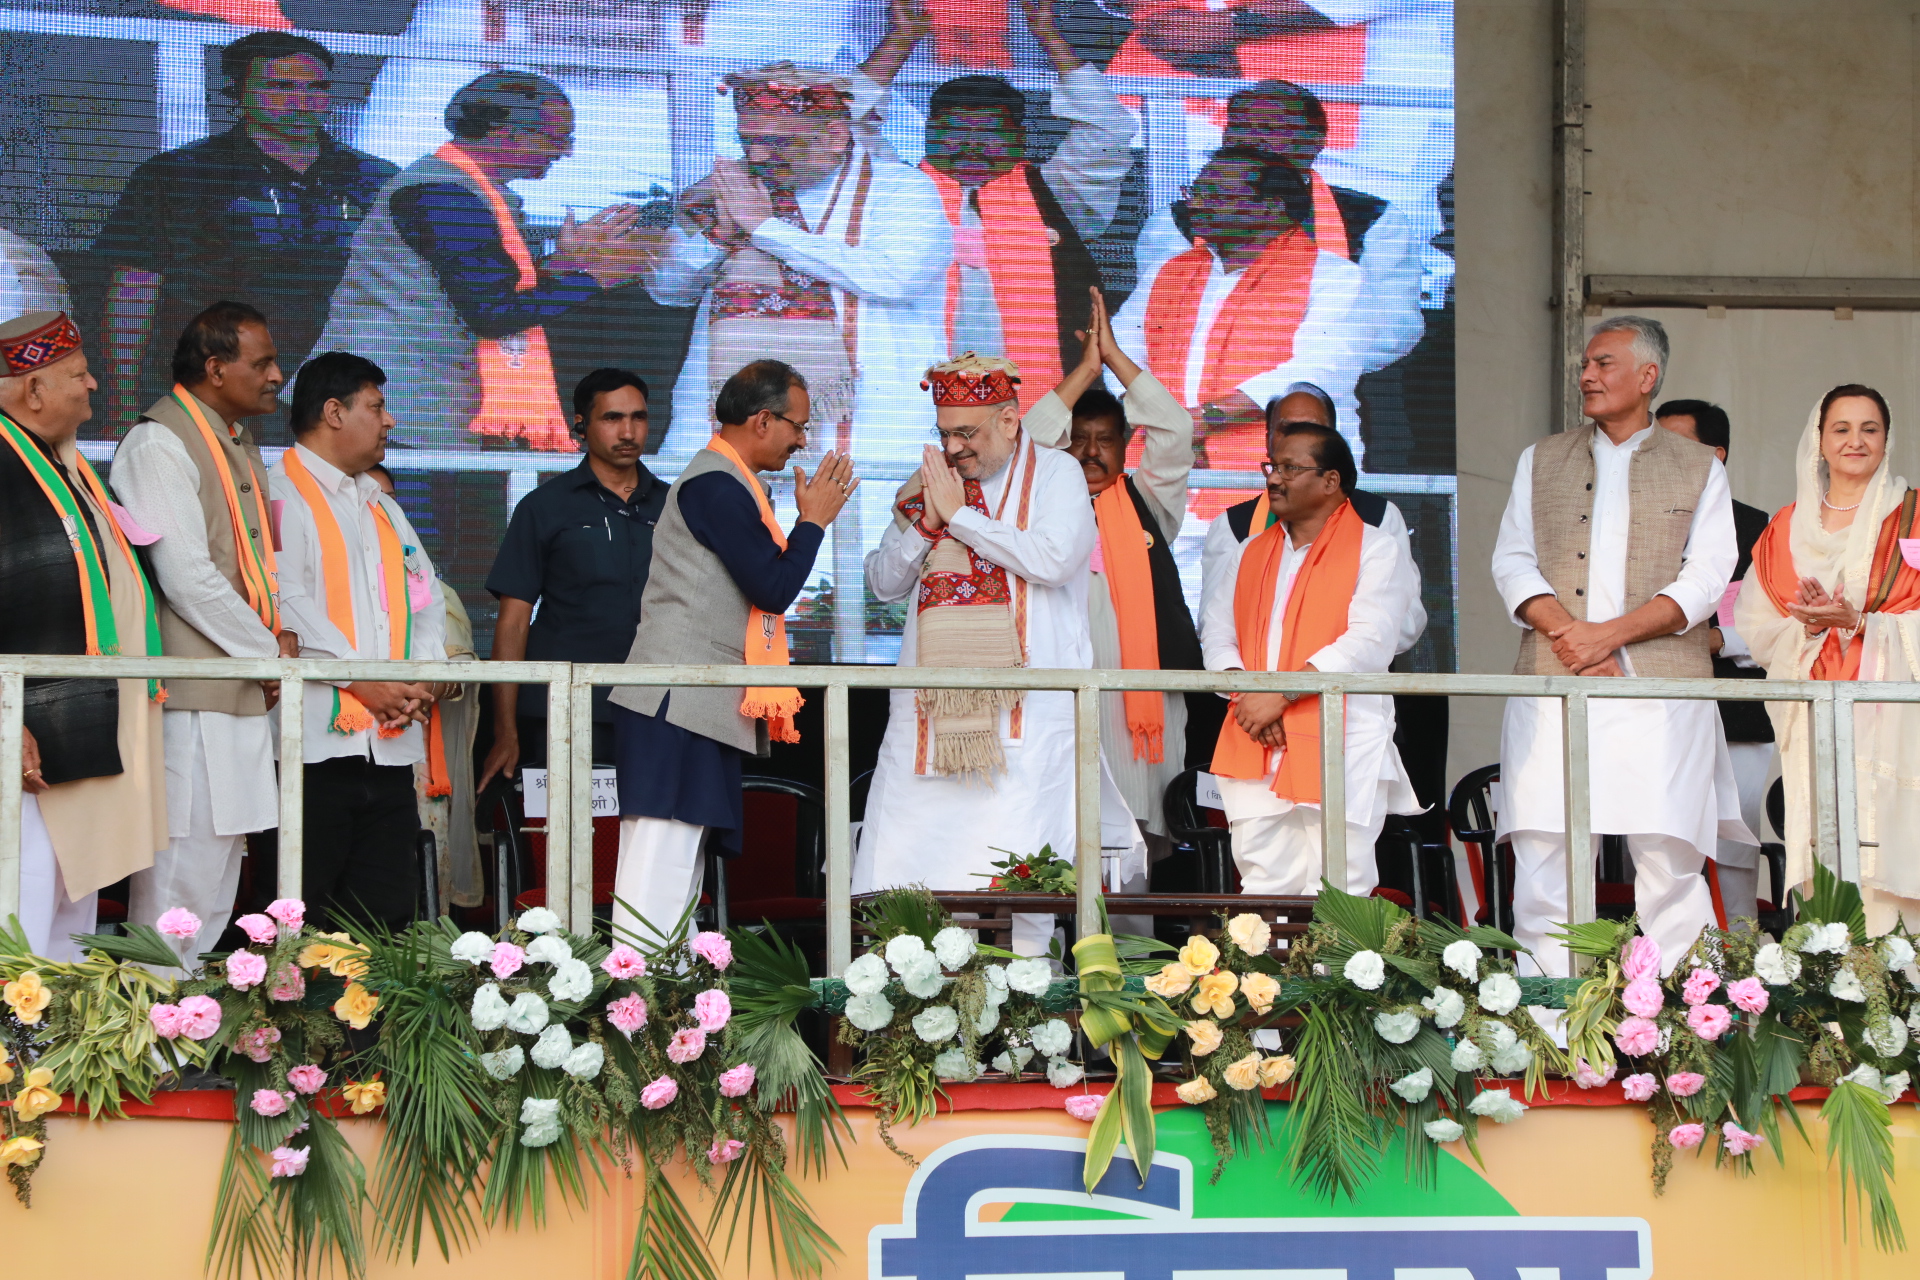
x=801 y=427
x=1287 y=470
x=964 y=435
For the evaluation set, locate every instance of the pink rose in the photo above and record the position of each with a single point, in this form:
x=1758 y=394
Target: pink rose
x=711 y=1009
x=659 y=1093
x=507 y=959
x=1700 y=984
x=627 y=1014
x=1639 y=1087
x=270 y=1102
x=1643 y=997
x=258 y=927
x=307 y=1078
x=199 y=1017
x=686 y=1045
x=1709 y=1021
x=245 y=969
x=624 y=962
x=1637 y=1037
x=288 y=984
x=167 y=1020
x=1749 y=995
x=724 y=1150
x=713 y=948
x=1738 y=1141
x=1586 y=1077
x=1640 y=958
x=290 y=912
x=1684 y=1084
x=257 y=1043
x=736 y=1081
x=1687 y=1136
x=290 y=1162
x=178 y=922
x=1083 y=1106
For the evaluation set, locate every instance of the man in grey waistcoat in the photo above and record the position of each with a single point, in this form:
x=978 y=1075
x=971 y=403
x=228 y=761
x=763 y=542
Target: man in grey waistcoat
x=723 y=576
x=1616 y=546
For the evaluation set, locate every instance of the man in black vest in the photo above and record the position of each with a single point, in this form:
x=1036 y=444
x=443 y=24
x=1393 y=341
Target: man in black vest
x=1749 y=731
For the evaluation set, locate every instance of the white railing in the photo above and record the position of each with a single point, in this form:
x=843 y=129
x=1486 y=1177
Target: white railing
x=1835 y=836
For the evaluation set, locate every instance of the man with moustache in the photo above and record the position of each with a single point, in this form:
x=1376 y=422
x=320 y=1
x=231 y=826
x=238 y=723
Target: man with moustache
x=191 y=474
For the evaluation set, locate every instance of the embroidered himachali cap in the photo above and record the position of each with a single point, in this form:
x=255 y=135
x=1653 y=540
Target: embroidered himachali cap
x=972 y=380
x=36 y=340
x=789 y=89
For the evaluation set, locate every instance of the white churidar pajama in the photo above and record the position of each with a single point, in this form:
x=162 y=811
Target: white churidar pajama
x=47 y=915
x=659 y=874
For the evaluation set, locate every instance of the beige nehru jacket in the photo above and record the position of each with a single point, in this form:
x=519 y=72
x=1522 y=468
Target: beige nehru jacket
x=1666 y=477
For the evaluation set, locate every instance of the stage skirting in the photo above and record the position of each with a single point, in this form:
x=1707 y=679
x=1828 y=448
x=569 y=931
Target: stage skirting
x=1565 y=1193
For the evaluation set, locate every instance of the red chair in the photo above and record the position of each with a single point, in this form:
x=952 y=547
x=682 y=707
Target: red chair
x=780 y=877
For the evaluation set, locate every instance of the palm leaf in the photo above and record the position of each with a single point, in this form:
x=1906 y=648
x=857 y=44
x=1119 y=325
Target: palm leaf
x=1833 y=900
x=320 y=1210
x=142 y=944
x=1364 y=921
x=666 y=1243
x=245 y=1232
x=1336 y=1138
x=1600 y=939
x=1860 y=1140
x=759 y=1192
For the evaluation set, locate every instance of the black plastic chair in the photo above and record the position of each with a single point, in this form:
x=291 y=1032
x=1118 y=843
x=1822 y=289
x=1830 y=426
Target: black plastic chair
x=1209 y=847
x=1780 y=919
x=1423 y=872
x=1470 y=817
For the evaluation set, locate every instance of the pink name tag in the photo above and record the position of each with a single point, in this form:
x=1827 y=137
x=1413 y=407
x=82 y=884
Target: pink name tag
x=1727 y=597
x=419 y=593
x=970 y=247
x=1100 y=555
x=1910 y=552
x=136 y=533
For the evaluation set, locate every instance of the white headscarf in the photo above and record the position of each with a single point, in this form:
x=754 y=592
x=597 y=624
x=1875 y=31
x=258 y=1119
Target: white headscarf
x=1883 y=494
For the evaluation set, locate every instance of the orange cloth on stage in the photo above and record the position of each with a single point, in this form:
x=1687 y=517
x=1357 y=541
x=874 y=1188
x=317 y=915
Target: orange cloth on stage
x=1020 y=263
x=1896 y=584
x=766 y=640
x=1316 y=616
x=1129 y=578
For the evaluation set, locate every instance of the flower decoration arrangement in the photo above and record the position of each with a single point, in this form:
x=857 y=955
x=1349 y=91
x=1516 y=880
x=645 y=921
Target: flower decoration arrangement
x=1716 y=1046
x=1042 y=872
x=1393 y=1023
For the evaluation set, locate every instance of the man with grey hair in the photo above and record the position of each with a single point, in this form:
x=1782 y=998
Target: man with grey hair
x=442 y=289
x=1616 y=546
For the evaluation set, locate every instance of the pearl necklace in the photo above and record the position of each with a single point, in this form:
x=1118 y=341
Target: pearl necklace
x=1829 y=506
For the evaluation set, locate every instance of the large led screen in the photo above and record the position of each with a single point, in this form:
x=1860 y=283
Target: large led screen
x=982 y=165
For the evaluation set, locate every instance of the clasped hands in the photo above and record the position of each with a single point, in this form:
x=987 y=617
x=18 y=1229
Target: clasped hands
x=1586 y=648
x=1818 y=610
x=941 y=486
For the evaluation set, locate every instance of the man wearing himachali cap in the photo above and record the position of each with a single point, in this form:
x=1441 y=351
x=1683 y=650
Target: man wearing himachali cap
x=992 y=539
x=95 y=808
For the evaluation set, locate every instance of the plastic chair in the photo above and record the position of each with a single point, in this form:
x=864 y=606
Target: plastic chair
x=1192 y=830
x=1471 y=819
x=780 y=877
x=1776 y=914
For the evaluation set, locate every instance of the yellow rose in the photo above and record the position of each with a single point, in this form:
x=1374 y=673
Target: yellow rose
x=1216 y=995
x=1196 y=1092
x=21 y=1150
x=1199 y=956
x=1275 y=1072
x=340 y=956
x=6 y=1067
x=364 y=1095
x=1244 y=1074
x=356 y=1006
x=26 y=995
x=1260 y=989
x=1249 y=933
x=1171 y=981
x=38 y=1097
x=1205 y=1035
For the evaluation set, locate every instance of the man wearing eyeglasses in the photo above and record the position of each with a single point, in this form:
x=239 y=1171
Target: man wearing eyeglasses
x=1318 y=590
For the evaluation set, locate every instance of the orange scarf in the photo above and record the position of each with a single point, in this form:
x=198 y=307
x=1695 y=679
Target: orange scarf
x=1129 y=576
x=1254 y=330
x=1329 y=228
x=1316 y=616
x=349 y=714
x=518 y=399
x=766 y=641
x=259 y=571
x=1020 y=263
x=1896 y=585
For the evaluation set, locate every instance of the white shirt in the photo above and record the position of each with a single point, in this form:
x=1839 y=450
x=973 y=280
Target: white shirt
x=303 y=600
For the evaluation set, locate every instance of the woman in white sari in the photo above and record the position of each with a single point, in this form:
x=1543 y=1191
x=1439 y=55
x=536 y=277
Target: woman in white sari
x=1835 y=595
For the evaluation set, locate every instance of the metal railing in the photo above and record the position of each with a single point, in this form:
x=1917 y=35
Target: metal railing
x=569 y=757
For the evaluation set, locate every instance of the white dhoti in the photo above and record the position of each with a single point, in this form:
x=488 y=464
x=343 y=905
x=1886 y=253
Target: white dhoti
x=1280 y=853
x=658 y=875
x=46 y=913
x=1738 y=861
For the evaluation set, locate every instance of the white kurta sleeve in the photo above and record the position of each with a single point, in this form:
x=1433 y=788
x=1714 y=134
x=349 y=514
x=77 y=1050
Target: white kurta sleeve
x=681 y=274
x=903 y=250
x=1166 y=460
x=1414 y=621
x=1516 y=566
x=1130 y=325
x=1380 y=599
x=1778 y=641
x=1387 y=321
x=1219 y=569
x=1160 y=239
x=893 y=567
x=1049 y=422
x=1323 y=351
x=1712 y=550
x=1086 y=171
x=155 y=478
x=1057 y=544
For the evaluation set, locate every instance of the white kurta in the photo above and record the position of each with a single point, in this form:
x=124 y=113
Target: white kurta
x=1656 y=767
x=943 y=831
x=1165 y=463
x=303 y=602
x=1380 y=600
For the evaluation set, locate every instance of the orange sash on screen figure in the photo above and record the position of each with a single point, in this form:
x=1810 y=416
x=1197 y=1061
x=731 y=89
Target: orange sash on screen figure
x=766 y=640
x=518 y=399
x=1895 y=589
x=1020 y=263
x=1316 y=616
x=1329 y=228
x=1254 y=330
x=1129 y=576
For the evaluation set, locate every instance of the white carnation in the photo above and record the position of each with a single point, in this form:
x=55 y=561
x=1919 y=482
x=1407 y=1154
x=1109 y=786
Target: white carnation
x=1913 y=1021
x=1365 y=970
x=548 y=949
x=869 y=1012
x=1889 y=1038
x=489 y=1010
x=1512 y=1059
x=572 y=981
x=866 y=976
x=1888 y=1087
x=542 y=1118
x=1500 y=994
x=996 y=976
x=1467 y=1056
x=920 y=976
x=505 y=1064
x=1912 y=974
x=527 y=1014
x=953 y=947
x=1893 y=1087
x=474 y=948
x=1498 y=1105
x=1463 y=958
x=1030 y=977
x=1896 y=951
x=1776 y=966
x=1444 y=1130
x=1448 y=1006
x=538 y=920
x=552 y=1048
x=989 y=1018
x=1831 y=938
x=1846 y=986
x=902 y=949
x=1415 y=1087
x=1062 y=1074
x=1014 y=1061
x=585 y=1061
x=954 y=1064
x=1051 y=1037
x=1396 y=1028
x=936 y=1023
